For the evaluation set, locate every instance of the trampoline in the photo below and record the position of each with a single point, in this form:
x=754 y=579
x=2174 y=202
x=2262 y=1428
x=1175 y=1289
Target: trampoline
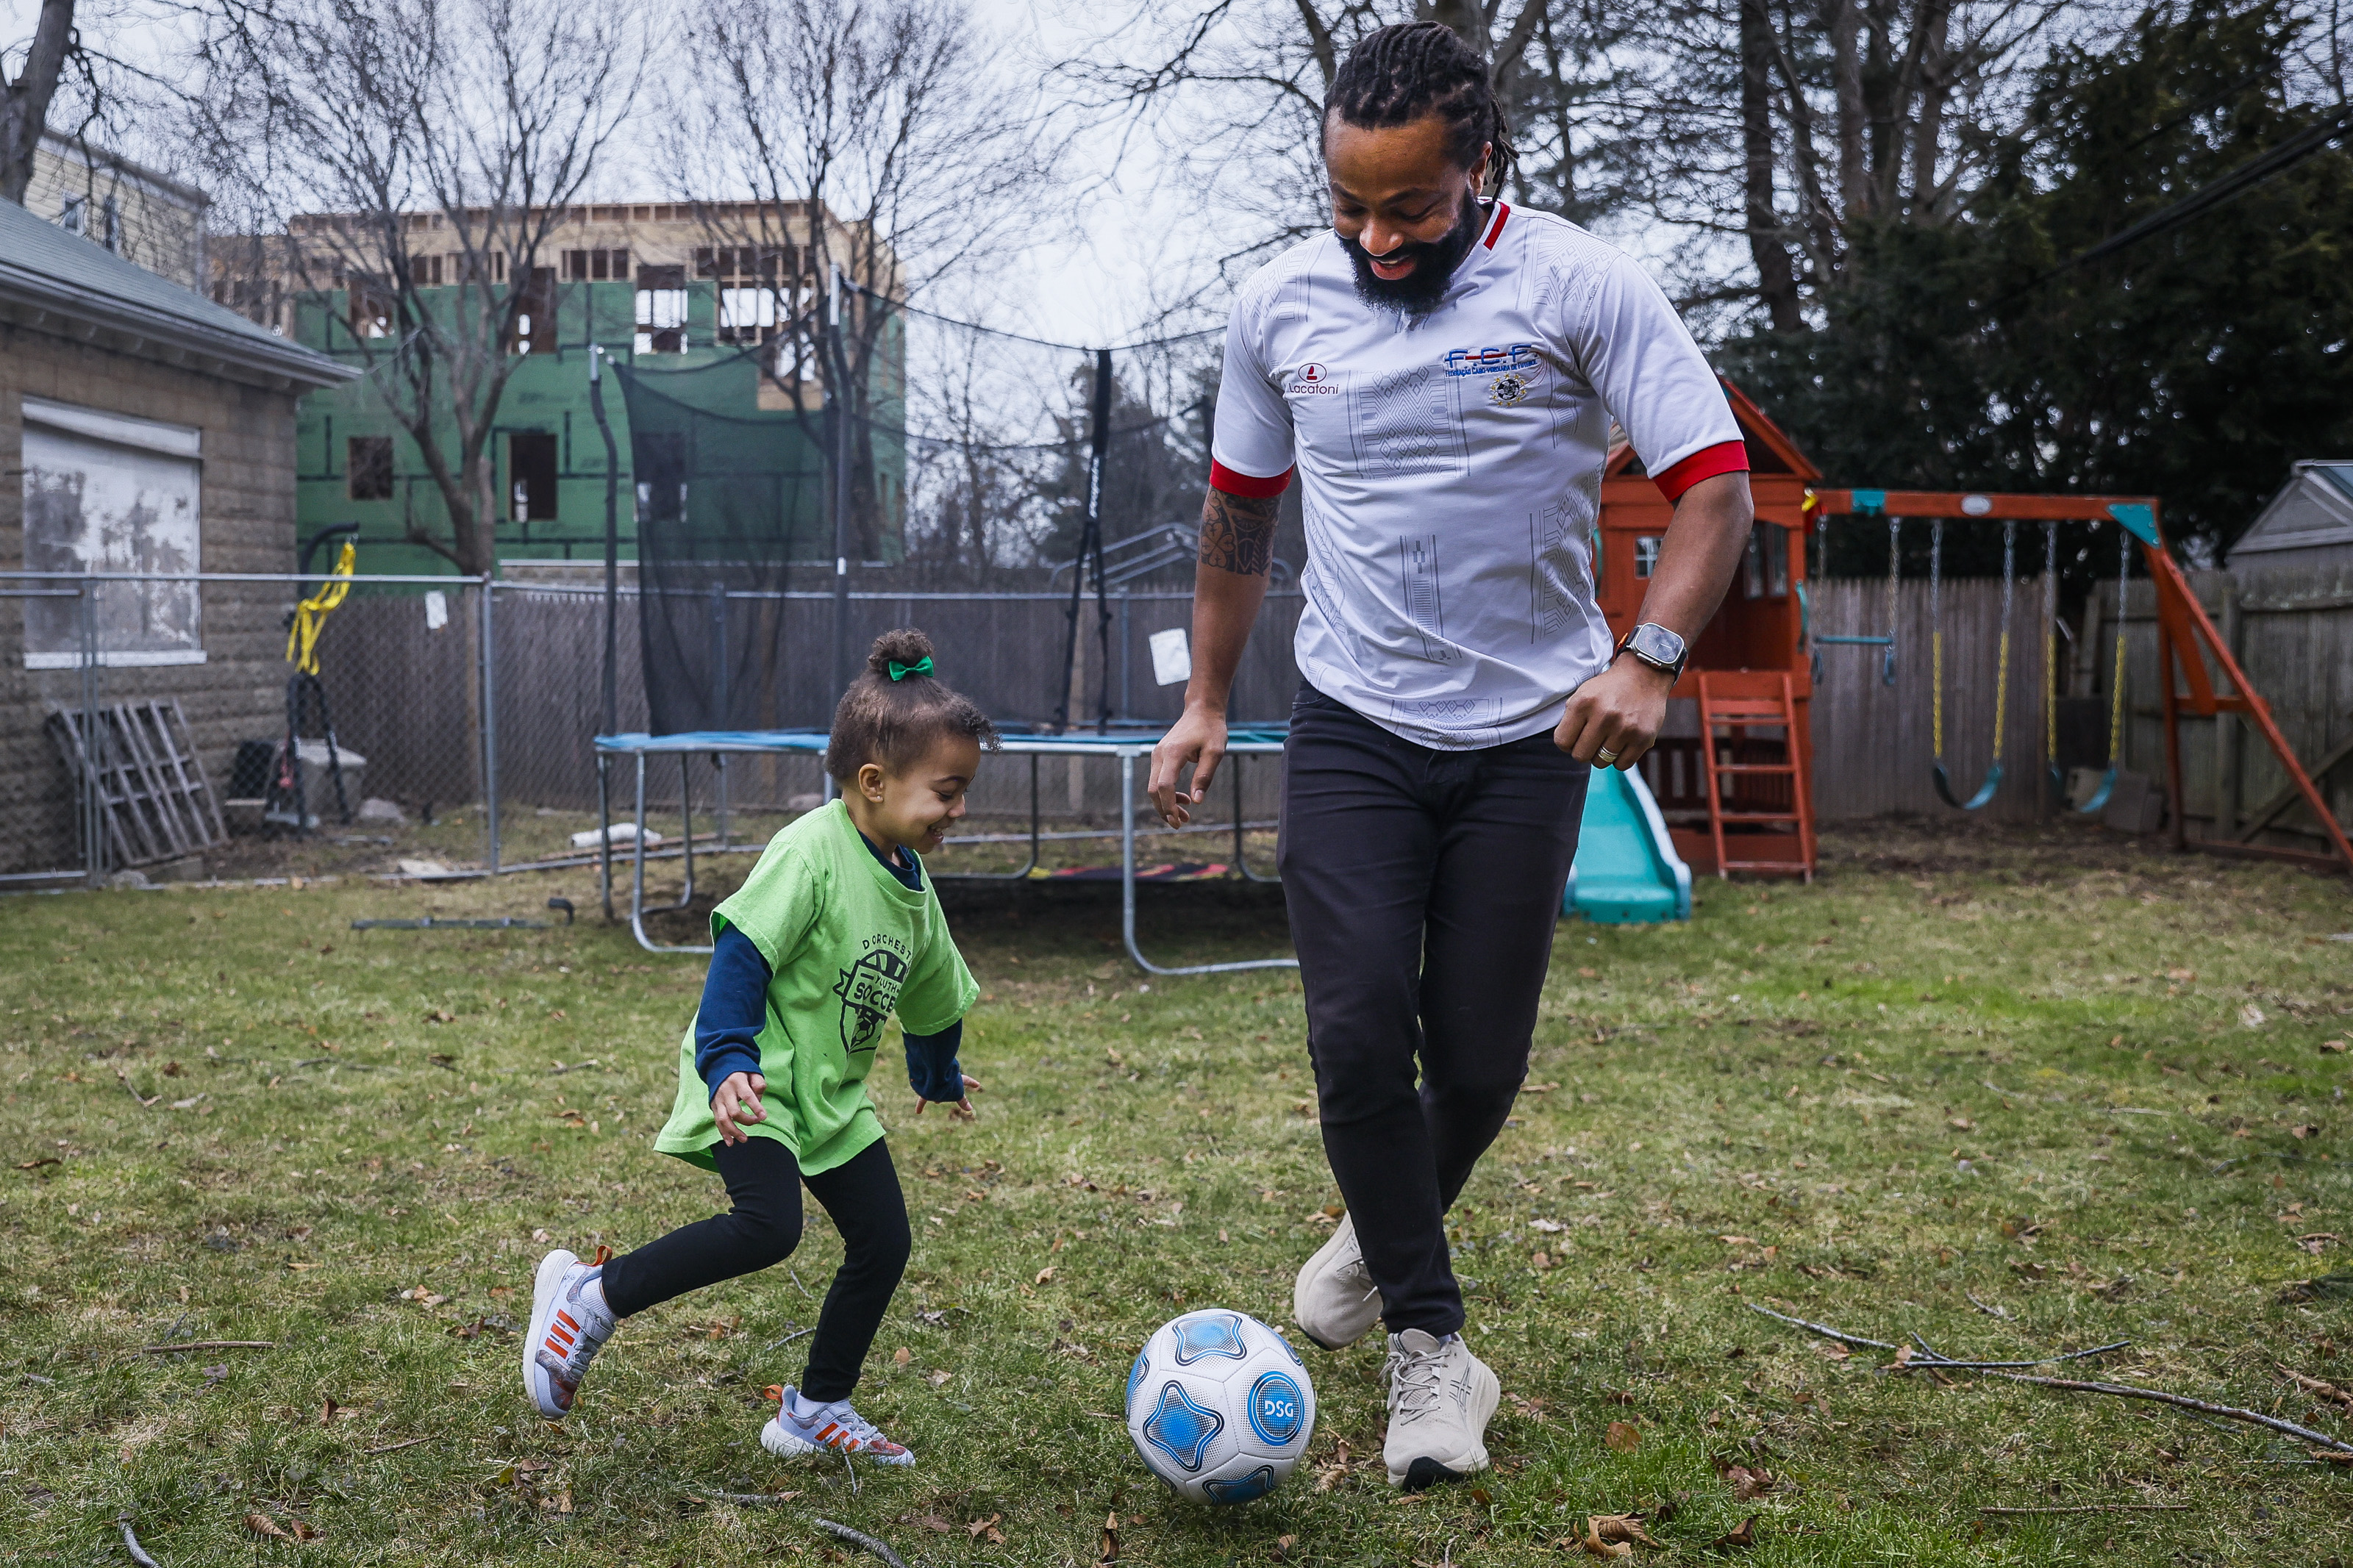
x=1128 y=748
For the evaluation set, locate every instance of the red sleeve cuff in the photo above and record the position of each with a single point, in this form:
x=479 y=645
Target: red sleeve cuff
x=1723 y=458
x=1252 y=487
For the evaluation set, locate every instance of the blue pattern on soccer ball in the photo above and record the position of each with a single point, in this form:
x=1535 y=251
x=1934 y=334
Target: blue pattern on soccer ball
x=1287 y=1350
x=1199 y=1337
x=1276 y=1407
x=1135 y=1376
x=1243 y=1489
x=1180 y=1428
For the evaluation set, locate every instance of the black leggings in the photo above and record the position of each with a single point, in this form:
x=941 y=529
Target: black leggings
x=764 y=1182
x=1423 y=887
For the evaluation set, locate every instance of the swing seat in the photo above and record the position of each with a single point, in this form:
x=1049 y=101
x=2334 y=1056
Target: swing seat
x=1985 y=791
x=2099 y=801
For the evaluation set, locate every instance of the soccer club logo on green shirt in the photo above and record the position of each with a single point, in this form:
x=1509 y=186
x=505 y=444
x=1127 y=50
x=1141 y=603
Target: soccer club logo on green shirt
x=869 y=989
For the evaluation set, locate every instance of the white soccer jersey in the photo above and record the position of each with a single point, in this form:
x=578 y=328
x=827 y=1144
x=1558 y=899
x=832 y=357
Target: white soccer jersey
x=1451 y=465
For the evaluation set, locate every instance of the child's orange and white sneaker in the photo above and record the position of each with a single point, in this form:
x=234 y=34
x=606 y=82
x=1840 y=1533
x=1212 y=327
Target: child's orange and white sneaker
x=803 y=1426
x=569 y=1324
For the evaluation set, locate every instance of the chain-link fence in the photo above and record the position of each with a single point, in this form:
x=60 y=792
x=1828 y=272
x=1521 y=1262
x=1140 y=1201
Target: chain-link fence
x=159 y=725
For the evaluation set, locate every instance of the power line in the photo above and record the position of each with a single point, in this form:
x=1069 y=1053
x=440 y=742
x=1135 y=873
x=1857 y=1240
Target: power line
x=2312 y=139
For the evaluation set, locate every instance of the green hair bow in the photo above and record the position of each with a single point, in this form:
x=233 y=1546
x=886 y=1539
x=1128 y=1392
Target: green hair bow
x=920 y=666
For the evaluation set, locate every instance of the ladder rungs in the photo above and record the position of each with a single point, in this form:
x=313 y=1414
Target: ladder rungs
x=1754 y=767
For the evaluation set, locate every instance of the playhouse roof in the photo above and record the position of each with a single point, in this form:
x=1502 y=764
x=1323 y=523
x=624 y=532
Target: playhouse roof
x=1770 y=450
x=2313 y=510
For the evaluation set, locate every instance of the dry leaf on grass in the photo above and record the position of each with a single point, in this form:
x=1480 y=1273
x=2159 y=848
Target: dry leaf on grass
x=1747 y=1484
x=1831 y=1350
x=1623 y=1436
x=1044 y=1274
x=1746 y=1535
x=1108 y=1550
x=1618 y=1527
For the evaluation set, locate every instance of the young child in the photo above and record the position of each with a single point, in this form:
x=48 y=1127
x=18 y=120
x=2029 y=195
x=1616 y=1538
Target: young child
x=834 y=929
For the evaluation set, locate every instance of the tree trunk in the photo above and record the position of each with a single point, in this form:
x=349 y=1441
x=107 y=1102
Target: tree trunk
x=1883 y=119
x=1777 y=279
x=1467 y=19
x=1842 y=19
x=25 y=103
x=1936 y=75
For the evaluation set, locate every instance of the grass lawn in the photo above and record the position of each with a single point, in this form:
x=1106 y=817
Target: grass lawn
x=2019 y=1094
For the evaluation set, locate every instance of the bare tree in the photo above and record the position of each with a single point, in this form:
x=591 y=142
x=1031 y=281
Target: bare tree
x=874 y=155
x=409 y=163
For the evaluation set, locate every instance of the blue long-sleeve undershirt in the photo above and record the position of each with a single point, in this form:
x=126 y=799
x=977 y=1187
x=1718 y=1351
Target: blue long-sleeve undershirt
x=736 y=1009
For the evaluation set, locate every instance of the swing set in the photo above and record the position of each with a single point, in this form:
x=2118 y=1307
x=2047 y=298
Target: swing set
x=2185 y=641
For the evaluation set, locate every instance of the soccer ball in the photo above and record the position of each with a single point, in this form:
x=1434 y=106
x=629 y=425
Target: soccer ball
x=1220 y=1406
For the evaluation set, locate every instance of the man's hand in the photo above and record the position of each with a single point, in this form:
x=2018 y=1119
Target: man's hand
x=1198 y=738
x=962 y=1110
x=1615 y=717
x=738 y=1102
x=1618 y=713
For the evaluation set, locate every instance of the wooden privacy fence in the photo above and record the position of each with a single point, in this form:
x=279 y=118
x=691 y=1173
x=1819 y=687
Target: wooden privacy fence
x=408 y=700
x=2291 y=631
x=1874 y=744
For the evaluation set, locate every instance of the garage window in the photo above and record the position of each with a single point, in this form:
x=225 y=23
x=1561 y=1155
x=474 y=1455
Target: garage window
x=108 y=492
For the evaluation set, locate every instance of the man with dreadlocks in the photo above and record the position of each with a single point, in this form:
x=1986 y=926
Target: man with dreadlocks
x=1442 y=371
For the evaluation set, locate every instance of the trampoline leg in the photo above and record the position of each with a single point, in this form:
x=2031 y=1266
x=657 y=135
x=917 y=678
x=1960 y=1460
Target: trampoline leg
x=637 y=878
x=1127 y=890
x=1241 y=854
x=605 y=833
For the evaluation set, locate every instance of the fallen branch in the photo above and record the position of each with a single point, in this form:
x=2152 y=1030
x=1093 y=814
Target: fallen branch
x=2073 y=1386
x=209 y=1345
x=1936 y=1358
x=131 y=1544
x=2183 y=1402
x=863 y=1541
x=2097 y=1508
x=1988 y=1311
x=395 y=1447
x=1824 y=1330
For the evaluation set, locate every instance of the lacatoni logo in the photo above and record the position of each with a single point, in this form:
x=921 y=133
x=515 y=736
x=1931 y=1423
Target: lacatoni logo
x=1311 y=380
x=1491 y=362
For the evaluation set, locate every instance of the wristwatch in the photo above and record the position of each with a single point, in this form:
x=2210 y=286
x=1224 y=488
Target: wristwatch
x=1656 y=646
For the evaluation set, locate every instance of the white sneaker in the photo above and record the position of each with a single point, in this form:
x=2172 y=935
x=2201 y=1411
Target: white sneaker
x=825 y=1428
x=1441 y=1398
x=569 y=1324
x=1334 y=1302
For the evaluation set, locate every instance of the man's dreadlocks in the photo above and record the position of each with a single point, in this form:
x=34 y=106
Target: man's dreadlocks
x=1402 y=72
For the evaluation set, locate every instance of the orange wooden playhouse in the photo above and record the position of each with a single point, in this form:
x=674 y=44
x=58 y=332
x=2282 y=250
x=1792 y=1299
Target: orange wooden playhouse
x=1733 y=775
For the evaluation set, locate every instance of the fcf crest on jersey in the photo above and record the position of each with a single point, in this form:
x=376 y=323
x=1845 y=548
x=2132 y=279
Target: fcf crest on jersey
x=869 y=989
x=1511 y=389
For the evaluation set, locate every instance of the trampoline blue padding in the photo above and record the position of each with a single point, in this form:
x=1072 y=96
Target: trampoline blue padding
x=714 y=740
x=1258 y=737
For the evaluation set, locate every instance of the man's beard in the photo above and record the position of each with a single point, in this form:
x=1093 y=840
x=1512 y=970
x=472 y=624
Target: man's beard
x=1434 y=261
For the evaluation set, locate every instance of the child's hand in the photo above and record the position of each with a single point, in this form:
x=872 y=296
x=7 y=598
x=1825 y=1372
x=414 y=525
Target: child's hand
x=962 y=1108
x=738 y=1100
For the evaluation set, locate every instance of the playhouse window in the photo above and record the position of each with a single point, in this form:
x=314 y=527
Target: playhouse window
x=1646 y=555
x=1765 y=566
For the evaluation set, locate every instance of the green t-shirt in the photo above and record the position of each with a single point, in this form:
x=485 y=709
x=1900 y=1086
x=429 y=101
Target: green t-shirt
x=848 y=944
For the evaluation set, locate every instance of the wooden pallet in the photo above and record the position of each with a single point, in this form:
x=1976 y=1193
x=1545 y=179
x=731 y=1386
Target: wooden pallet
x=152 y=786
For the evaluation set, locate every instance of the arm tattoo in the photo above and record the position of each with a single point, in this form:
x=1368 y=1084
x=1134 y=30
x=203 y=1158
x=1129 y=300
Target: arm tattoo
x=1237 y=532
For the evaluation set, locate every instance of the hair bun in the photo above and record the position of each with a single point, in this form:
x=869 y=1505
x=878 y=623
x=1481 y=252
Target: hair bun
x=906 y=647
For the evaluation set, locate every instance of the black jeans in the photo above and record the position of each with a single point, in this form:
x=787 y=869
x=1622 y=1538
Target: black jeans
x=1423 y=887
x=764 y=1182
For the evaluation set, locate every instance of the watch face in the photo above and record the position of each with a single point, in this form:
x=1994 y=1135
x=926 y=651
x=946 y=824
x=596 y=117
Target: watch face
x=1657 y=644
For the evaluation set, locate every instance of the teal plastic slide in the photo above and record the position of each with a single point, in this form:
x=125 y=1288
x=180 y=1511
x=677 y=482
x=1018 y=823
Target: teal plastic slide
x=1627 y=869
